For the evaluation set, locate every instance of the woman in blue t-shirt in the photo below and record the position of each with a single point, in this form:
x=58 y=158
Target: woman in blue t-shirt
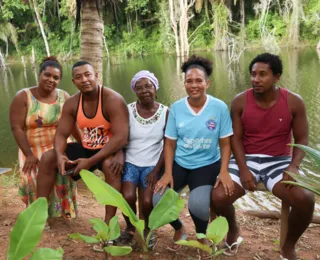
x=197 y=147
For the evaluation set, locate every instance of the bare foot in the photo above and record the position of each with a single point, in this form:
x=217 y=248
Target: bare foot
x=178 y=234
x=204 y=254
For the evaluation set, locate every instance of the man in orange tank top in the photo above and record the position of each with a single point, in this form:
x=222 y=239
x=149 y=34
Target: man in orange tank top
x=101 y=114
x=264 y=118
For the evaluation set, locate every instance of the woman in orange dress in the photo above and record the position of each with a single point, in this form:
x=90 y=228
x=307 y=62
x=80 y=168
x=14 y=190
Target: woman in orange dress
x=34 y=115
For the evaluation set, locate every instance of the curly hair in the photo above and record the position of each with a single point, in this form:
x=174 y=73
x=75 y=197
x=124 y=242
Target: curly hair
x=198 y=62
x=50 y=61
x=272 y=60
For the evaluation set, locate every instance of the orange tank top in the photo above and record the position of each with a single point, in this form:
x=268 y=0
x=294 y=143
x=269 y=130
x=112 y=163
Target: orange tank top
x=96 y=131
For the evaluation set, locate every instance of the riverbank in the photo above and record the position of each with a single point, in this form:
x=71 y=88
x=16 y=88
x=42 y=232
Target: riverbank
x=260 y=235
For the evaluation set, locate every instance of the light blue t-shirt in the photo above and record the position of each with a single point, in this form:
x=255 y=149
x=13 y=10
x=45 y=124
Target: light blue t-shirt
x=198 y=134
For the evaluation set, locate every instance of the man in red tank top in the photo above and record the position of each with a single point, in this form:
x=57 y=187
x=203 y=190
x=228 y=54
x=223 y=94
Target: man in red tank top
x=264 y=119
x=101 y=114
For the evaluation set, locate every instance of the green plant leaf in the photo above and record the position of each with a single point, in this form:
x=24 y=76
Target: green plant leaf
x=47 y=254
x=27 y=231
x=167 y=210
x=217 y=230
x=196 y=244
x=304 y=179
x=114 y=228
x=313 y=153
x=219 y=252
x=307 y=187
x=101 y=228
x=201 y=236
x=118 y=250
x=87 y=239
x=107 y=195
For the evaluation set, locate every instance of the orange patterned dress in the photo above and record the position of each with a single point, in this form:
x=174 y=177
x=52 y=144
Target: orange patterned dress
x=41 y=124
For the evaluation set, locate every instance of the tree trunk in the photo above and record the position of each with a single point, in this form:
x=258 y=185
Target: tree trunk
x=242 y=30
x=174 y=26
x=294 y=30
x=35 y=6
x=92 y=36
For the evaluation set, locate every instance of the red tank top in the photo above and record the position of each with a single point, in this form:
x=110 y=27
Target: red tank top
x=96 y=131
x=267 y=131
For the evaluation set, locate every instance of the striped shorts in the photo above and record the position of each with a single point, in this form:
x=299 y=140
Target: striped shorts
x=268 y=169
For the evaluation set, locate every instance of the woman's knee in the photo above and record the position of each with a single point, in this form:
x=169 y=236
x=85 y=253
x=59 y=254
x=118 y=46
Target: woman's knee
x=199 y=202
x=48 y=159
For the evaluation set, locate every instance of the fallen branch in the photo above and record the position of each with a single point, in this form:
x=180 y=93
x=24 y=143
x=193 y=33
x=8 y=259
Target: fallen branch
x=273 y=214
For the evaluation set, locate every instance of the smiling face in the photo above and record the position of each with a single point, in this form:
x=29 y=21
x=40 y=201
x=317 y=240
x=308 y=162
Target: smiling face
x=145 y=91
x=49 y=78
x=196 y=83
x=262 y=78
x=85 y=78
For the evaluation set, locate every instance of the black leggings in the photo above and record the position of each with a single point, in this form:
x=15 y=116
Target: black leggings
x=200 y=182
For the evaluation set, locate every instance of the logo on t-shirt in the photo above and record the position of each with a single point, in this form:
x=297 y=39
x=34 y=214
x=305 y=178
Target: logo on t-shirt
x=211 y=124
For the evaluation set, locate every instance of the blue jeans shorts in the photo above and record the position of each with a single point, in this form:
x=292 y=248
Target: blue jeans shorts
x=136 y=174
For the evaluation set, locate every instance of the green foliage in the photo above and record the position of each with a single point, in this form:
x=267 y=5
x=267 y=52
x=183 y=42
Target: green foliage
x=167 y=210
x=274 y=23
x=311 y=24
x=105 y=234
x=10 y=8
x=306 y=182
x=27 y=231
x=135 y=5
x=47 y=254
x=216 y=231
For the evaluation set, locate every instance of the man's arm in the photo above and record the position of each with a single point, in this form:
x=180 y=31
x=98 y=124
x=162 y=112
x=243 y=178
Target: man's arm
x=117 y=111
x=65 y=127
x=237 y=147
x=300 y=127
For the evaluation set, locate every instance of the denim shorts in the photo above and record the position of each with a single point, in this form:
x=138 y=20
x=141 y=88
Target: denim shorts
x=136 y=174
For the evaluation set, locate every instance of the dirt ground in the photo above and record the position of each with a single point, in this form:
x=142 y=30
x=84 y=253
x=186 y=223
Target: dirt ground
x=259 y=234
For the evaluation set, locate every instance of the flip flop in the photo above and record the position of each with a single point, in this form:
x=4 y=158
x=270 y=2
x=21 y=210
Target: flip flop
x=283 y=258
x=176 y=249
x=229 y=249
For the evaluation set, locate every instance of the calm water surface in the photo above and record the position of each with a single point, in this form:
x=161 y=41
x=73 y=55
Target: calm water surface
x=301 y=75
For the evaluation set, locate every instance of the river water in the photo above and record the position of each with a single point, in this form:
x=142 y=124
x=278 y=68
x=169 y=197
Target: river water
x=301 y=75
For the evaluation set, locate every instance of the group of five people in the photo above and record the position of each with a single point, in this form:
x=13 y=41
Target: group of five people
x=144 y=144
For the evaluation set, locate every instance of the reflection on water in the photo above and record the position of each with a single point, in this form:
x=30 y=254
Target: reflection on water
x=301 y=74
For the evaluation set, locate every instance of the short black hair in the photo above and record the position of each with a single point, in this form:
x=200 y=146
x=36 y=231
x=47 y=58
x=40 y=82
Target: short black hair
x=274 y=62
x=50 y=61
x=81 y=63
x=198 y=62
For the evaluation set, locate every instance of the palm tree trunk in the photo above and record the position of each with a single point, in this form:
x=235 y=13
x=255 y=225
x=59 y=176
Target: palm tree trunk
x=35 y=6
x=92 y=36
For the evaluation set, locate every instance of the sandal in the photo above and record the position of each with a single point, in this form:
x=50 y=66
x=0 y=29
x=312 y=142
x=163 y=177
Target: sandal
x=283 y=258
x=175 y=247
x=229 y=249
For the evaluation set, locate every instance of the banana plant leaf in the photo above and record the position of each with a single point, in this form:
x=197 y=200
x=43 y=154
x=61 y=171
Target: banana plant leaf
x=47 y=254
x=107 y=195
x=167 y=210
x=114 y=228
x=196 y=244
x=217 y=230
x=101 y=228
x=118 y=250
x=87 y=239
x=27 y=231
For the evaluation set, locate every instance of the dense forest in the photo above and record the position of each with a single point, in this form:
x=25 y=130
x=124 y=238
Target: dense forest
x=141 y=27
